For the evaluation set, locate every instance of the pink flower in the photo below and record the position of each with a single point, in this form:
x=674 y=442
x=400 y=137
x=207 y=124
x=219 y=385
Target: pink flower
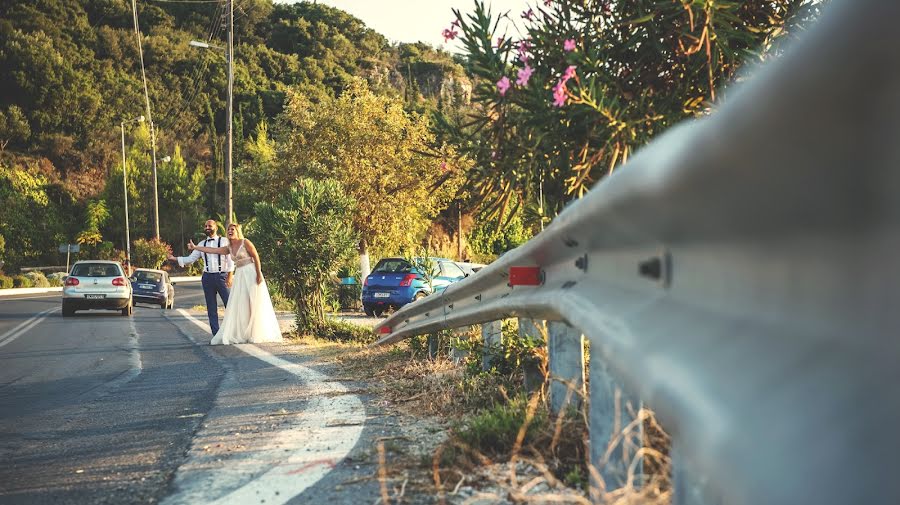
x=569 y=73
x=569 y=45
x=529 y=14
x=449 y=34
x=444 y=167
x=524 y=46
x=503 y=85
x=559 y=94
x=524 y=75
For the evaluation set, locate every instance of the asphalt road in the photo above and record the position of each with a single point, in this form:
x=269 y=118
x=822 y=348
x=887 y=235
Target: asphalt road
x=101 y=408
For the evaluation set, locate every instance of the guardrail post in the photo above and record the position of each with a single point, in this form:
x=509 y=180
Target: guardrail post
x=613 y=431
x=534 y=379
x=433 y=343
x=565 y=349
x=492 y=336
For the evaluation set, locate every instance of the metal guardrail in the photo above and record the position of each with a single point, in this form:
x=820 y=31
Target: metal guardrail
x=738 y=275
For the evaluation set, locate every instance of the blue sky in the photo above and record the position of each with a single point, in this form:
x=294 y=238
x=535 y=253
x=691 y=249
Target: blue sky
x=414 y=21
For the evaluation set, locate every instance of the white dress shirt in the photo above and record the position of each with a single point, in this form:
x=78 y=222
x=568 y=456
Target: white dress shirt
x=213 y=263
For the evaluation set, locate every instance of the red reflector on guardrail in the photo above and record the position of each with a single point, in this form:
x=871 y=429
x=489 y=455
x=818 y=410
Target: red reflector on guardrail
x=384 y=330
x=525 y=276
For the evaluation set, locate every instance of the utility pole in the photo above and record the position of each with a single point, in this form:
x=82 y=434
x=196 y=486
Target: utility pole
x=125 y=189
x=229 y=56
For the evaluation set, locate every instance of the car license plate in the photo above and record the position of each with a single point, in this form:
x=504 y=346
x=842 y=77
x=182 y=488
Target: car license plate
x=95 y=296
x=146 y=286
x=382 y=295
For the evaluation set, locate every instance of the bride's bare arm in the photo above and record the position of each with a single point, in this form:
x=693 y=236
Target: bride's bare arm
x=251 y=250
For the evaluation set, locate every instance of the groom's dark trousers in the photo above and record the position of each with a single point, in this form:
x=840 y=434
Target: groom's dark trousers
x=214 y=283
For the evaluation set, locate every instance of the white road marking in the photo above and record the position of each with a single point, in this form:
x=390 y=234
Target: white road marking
x=316 y=443
x=20 y=330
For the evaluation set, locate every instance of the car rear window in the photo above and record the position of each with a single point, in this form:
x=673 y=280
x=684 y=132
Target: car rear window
x=96 y=270
x=148 y=276
x=392 y=266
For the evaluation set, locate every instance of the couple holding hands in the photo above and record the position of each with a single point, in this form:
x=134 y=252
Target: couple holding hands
x=232 y=271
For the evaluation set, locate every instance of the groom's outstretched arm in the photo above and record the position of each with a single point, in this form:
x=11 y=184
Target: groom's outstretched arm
x=186 y=260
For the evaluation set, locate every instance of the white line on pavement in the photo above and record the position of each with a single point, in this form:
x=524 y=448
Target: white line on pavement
x=19 y=330
x=317 y=442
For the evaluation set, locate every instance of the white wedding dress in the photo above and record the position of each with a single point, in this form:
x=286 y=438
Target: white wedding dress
x=249 y=316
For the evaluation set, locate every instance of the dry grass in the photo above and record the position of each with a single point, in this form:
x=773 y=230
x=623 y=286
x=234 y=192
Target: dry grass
x=550 y=467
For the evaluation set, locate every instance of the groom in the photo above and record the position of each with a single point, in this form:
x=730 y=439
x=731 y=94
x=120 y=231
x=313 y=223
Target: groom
x=218 y=271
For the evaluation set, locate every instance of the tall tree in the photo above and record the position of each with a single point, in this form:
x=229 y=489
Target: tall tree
x=374 y=149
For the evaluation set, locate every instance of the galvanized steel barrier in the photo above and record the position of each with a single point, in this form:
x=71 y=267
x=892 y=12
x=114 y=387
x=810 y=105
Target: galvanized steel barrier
x=739 y=277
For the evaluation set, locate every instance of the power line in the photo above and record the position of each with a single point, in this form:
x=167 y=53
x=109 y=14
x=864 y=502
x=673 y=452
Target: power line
x=137 y=32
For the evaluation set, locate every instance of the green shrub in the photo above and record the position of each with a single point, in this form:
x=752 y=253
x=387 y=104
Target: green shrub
x=306 y=234
x=494 y=430
x=20 y=281
x=56 y=278
x=38 y=280
x=149 y=253
x=6 y=282
x=342 y=331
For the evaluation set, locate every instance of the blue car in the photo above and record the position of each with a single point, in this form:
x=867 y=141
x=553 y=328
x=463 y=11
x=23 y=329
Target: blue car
x=153 y=287
x=394 y=282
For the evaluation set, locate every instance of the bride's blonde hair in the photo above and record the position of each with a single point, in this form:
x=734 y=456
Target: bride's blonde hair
x=238 y=232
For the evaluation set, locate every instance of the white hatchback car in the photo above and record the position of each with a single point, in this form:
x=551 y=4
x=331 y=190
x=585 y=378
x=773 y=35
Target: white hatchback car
x=97 y=284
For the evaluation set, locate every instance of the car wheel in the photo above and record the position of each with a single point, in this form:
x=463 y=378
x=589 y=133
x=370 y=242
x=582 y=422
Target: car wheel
x=127 y=310
x=67 y=311
x=419 y=296
x=368 y=310
x=164 y=304
x=172 y=304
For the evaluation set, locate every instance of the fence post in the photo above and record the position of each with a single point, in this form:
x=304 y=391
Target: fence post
x=533 y=377
x=609 y=418
x=565 y=348
x=492 y=336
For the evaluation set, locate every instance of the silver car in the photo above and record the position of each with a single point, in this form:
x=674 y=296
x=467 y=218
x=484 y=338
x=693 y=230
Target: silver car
x=97 y=284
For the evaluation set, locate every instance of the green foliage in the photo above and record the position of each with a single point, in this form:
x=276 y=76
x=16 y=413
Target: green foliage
x=342 y=331
x=38 y=279
x=492 y=237
x=373 y=147
x=14 y=126
x=21 y=281
x=33 y=224
x=56 y=278
x=307 y=235
x=149 y=253
x=6 y=282
x=424 y=263
x=494 y=430
x=632 y=70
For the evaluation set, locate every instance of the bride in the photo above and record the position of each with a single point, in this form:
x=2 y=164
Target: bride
x=249 y=317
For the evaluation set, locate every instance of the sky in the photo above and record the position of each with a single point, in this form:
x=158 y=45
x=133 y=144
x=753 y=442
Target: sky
x=417 y=20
